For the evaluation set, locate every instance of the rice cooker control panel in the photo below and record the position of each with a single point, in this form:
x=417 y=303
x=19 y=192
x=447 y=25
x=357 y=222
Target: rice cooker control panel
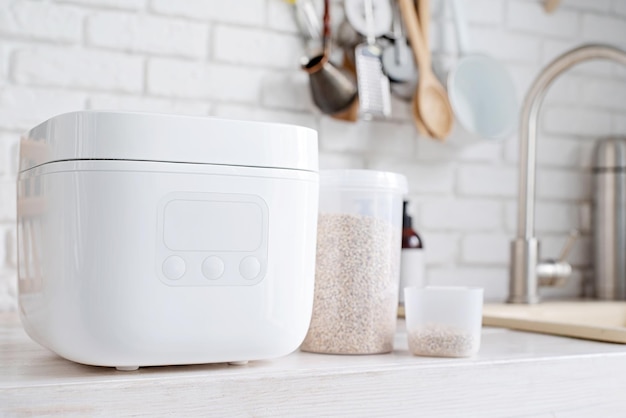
x=212 y=239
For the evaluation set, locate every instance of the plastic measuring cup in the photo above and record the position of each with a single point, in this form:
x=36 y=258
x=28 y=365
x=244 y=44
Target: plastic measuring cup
x=443 y=321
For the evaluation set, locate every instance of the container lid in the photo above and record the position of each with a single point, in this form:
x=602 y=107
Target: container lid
x=609 y=153
x=363 y=180
x=104 y=135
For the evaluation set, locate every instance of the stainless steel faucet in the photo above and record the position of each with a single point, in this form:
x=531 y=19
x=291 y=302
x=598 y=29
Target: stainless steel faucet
x=527 y=273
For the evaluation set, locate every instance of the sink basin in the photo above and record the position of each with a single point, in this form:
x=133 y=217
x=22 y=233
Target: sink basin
x=590 y=320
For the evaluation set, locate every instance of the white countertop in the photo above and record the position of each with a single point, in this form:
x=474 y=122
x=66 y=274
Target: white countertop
x=516 y=374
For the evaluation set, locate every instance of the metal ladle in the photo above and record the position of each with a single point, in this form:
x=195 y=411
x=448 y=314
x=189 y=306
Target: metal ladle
x=333 y=89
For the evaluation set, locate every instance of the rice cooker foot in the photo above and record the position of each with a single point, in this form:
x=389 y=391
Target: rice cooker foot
x=127 y=368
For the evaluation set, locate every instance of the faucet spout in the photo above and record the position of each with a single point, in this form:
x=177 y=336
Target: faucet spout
x=523 y=285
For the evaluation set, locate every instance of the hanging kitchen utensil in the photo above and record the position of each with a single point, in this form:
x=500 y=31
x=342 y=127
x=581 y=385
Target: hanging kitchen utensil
x=398 y=61
x=373 y=85
x=333 y=89
x=481 y=89
x=347 y=39
x=423 y=17
x=347 y=36
x=550 y=5
x=307 y=18
x=395 y=62
x=407 y=90
x=381 y=16
x=430 y=102
x=308 y=22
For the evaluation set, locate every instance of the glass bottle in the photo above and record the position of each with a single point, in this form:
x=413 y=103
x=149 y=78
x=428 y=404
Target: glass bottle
x=412 y=257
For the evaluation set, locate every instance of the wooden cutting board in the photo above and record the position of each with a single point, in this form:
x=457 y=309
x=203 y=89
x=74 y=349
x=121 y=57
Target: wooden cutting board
x=590 y=320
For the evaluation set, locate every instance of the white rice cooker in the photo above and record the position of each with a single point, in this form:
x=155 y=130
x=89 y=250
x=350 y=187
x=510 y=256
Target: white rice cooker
x=149 y=239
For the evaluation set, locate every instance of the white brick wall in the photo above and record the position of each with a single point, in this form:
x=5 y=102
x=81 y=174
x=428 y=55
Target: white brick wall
x=426 y=178
x=374 y=138
x=148 y=104
x=563 y=184
x=287 y=90
x=461 y=215
x=7 y=197
x=619 y=7
x=140 y=33
x=257 y=47
x=485 y=12
x=609 y=29
x=24 y=107
x=41 y=21
x=240 y=59
x=566 y=89
x=8 y=252
x=490 y=278
x=564 y=152
x=576 y=122
x=443 y=247
x=78 y=68
x=596 y=5
x=506 y=45
x=618 y=124
x=527 y=17
x=9 y=145
x=486 y=249
x=607 y=94
x=189 y=79
x=115 y=4
x=243 y=12
x=483 y=180
x=556 y=217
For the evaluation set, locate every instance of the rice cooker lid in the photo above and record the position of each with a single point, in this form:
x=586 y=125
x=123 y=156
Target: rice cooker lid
x=104 y=135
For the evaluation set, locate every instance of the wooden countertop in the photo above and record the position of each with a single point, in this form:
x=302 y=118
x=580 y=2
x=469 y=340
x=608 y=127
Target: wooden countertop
x=515 y=374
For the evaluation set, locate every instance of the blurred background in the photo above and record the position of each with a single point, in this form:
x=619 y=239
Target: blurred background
x=242 y=59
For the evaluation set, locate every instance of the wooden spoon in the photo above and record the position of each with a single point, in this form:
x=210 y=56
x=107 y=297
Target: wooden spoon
x=422 y=15
x=431 y=101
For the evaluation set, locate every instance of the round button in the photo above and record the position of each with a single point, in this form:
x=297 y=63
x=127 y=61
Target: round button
x=212 y=267
x=174 y=267
x=250 y=267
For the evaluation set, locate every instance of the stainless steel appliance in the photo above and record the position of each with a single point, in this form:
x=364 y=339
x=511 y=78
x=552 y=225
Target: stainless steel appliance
x=609 y=218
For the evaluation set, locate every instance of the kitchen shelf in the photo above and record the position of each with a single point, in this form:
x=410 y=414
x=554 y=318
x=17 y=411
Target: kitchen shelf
x=515 y=374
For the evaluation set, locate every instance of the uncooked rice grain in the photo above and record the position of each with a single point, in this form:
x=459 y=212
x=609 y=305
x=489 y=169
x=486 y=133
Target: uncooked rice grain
x=439 y=340
x=356 y=286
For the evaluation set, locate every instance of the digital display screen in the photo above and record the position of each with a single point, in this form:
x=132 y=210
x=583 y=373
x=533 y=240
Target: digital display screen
x=206 y=225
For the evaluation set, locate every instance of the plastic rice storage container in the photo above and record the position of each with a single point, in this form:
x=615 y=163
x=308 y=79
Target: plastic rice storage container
x=357 y=262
